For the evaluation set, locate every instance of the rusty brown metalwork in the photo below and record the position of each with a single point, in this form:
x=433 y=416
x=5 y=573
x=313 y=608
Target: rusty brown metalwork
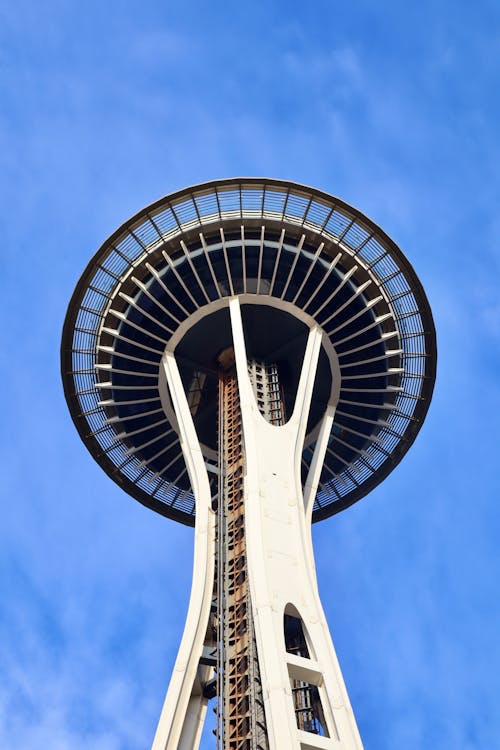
x=240 y=711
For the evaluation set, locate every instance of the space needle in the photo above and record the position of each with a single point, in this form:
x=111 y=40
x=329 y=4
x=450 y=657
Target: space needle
x=249 y=356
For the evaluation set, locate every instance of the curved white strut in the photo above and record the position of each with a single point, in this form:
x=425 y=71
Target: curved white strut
x=183 y=713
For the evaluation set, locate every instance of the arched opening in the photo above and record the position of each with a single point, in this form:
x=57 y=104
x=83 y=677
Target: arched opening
x=295 y=639
x=307 y=705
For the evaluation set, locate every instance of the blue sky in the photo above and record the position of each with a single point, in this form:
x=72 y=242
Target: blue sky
x=106 y=106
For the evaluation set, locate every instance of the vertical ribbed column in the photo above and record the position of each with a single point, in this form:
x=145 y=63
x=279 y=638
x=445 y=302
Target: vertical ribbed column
x=241 y=720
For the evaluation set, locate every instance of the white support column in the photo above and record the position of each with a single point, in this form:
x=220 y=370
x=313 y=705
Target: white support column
x=280 y=563
x=183 y=713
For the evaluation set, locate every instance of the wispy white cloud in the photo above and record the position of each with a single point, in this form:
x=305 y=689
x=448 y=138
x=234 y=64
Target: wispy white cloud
x=391 y=108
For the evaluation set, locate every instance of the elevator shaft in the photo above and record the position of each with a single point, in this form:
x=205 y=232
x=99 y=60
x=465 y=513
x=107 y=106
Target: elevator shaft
x=240 y=709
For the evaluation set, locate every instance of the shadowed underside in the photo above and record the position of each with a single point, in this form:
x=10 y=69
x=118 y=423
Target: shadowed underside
x=296 y=257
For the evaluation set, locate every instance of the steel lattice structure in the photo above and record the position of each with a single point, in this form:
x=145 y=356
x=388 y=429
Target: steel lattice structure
x=216 y=307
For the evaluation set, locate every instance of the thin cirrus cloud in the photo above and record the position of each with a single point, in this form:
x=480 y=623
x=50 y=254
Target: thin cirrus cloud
x=103 y=110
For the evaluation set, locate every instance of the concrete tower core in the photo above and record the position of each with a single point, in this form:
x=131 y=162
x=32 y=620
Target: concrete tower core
x=249 y=356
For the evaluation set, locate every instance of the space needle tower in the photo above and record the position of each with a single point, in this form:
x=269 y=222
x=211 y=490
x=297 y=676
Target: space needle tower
x=250 y=356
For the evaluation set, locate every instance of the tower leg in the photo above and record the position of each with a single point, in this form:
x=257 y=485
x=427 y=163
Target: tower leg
x=281 y=570
x=183 y=712
x=306 y=705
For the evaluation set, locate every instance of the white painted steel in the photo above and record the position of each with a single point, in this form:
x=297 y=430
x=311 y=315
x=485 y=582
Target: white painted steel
x=281 y=568
x=183 y=712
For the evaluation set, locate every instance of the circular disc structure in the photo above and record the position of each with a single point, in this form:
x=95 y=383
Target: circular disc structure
x=296 y=257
